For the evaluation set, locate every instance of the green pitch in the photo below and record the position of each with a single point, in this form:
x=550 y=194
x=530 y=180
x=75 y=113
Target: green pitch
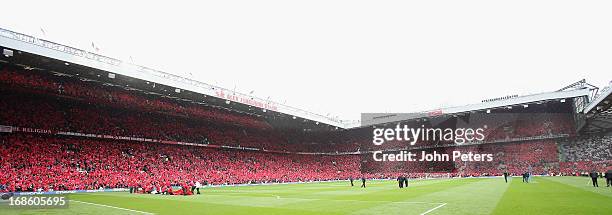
x=546 y=195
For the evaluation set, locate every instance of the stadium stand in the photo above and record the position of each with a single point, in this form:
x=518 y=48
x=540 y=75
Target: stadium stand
x=82 y=163
x=71 y=133
x=585 y=154
x=593 y=148
x=539 y=156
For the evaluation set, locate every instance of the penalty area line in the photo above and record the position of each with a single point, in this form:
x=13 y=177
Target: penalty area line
x=108 y=206
x=433 y=209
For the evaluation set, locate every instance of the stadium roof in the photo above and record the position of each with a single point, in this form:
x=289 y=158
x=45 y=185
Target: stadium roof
x=177 y=84
x=503 y=102
x=599 y=112
x=71 y=55
x=578 y=89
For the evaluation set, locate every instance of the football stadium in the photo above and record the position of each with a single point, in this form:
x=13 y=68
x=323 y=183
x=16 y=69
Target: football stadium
x=86 y=133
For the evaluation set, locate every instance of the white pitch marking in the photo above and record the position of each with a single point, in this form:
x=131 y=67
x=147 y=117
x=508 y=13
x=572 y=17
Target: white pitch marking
x=344 y=200
x=440 y=204
x=430 y=210
x=108 y=206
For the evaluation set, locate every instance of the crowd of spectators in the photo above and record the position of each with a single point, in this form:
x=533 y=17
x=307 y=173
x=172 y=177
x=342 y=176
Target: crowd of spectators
x=98 y=93
x=70 y=104
x=591 y=148
x=585 y=154
x=62 y=114
x=538 y=157
x=41 y=162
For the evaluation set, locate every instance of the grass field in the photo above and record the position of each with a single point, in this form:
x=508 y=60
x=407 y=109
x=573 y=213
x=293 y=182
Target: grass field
x=546 y=195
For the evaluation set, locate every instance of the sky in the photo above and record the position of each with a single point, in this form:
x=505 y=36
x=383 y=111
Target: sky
x=344 y=57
